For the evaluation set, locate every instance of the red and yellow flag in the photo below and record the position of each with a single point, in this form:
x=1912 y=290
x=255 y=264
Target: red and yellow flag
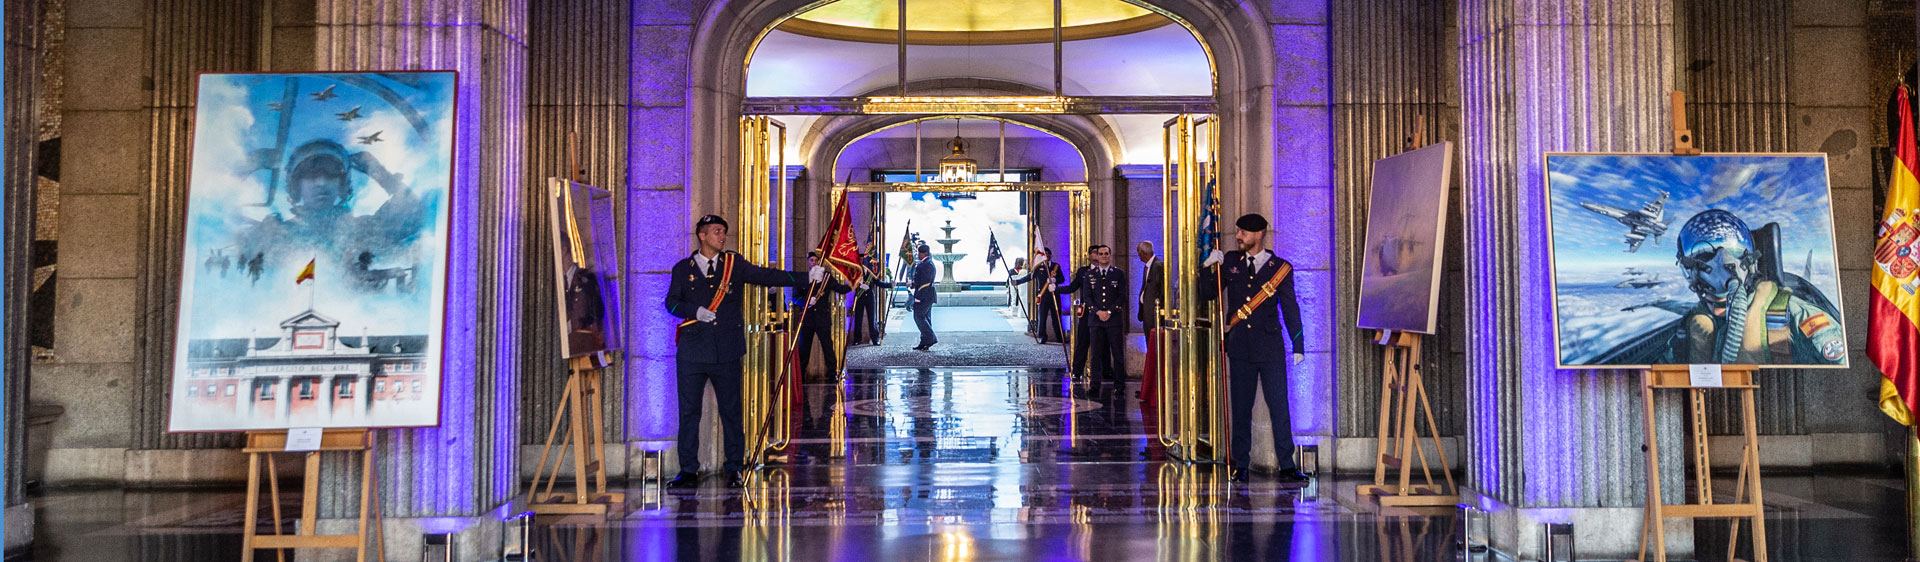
x=838 y=249
x=1893 y=338
x=306 y=273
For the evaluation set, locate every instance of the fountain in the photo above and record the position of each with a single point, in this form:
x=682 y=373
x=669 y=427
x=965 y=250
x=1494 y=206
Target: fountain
x=946 y=258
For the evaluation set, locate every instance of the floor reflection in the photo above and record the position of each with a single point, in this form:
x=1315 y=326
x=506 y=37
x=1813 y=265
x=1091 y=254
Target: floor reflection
x=978 y=464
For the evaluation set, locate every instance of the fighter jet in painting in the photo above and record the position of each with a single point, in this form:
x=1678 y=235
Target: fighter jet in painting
x=1649 y=220
x=350 y=114
x=1647 y=282
x=370 y=139
x=324 y=95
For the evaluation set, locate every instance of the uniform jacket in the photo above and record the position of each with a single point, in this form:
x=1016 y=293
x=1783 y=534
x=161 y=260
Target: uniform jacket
x=1259 y=337
x=1150 y=293
x=923 y=291
x=724 y=339
x=1044 y=291
x=821 y=312
x=1101 y=291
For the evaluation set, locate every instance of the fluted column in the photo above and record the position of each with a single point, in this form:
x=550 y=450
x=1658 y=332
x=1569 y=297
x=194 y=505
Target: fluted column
x=451 y=478
x=1539 y=76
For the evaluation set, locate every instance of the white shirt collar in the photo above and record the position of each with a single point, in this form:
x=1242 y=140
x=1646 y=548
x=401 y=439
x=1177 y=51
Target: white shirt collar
x=701 y=261
x=1260 y=259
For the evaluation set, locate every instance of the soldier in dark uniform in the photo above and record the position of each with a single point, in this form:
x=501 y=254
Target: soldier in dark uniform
x=924 y=297
x=1256 y=349
x=1045 y=317
x=711 y=341
x=817 y=301
x=1102 y=295
x=866 y=304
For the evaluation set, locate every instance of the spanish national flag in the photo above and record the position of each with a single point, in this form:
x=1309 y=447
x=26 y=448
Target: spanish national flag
x=306 y=273
x=1893 y=339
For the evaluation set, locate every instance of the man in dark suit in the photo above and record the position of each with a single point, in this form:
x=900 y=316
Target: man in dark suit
x=924 y=296
x=1044 y=319
x=1152 y=294
x=818 y=322
x=1259 y=287
x=705 y=292
x=1102 y=296
x=866 y=305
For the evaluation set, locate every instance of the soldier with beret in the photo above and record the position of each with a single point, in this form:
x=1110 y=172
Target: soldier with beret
x=706 y=294
x=1259 y=296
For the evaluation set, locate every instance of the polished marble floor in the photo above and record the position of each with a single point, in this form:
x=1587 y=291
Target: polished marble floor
x=980 y=464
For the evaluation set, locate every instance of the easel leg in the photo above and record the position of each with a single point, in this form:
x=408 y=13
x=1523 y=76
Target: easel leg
x=1433 y=430
x=1753 y=484
x=273 y=495
x=366 y=499
x=598 y=437
x=1403 y=435
x=250 y=522
x=576 y=417
x=1739 y=497
x=310 y=495
x=1387 y=367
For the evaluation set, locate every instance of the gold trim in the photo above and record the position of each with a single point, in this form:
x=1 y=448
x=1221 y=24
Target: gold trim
x=916 y=105
x=799 y=25
x=963 y=187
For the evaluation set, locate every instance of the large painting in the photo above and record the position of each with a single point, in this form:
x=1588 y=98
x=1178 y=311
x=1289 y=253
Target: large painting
x=314 y=263
x=585 y=264
x=1722 y=258
x=1406 y=224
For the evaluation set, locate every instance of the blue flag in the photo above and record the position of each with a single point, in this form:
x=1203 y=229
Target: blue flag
x=1209 y=221
x=993 y=251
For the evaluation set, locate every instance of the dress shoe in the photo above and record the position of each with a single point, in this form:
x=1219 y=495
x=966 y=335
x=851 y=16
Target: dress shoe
x=735 y=481
x=919 y=348
x=1239 y=476
x=684 y=480
x=1291 y=477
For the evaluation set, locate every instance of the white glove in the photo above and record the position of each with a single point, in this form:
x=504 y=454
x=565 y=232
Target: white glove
x=817 y=274
x=863 y=287
x=1213 y=259
x=1297 y=358
x=703 y=315
x=1040 y=259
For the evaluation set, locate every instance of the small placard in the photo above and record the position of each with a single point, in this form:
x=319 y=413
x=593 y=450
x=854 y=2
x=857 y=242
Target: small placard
x=1705 y=376
x=302 y=439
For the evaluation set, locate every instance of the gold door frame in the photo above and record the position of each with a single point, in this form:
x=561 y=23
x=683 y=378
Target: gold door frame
x=1193 y=421
x=766 y=405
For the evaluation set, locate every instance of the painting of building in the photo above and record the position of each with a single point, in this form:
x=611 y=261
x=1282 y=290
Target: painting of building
x=315 y=251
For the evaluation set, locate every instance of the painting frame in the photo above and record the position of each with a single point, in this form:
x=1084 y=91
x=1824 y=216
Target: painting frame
x=1835 y=307
x=1370 y=258
x=427 y=356
x=571 y=292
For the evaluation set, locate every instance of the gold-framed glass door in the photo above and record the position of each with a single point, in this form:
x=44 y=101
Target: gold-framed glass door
x=763 y=217
x=1192 y=387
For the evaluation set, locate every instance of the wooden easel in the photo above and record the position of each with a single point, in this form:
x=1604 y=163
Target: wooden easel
x=1403 y=391
x=1676 y=377
x=268 y=443
x=585 y=420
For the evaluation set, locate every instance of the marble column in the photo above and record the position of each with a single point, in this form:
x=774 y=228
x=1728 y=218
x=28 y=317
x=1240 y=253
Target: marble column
x=1299 y=202
x=1385 y=86
x=461 y=477
x=24 y=51
x=1546 y=445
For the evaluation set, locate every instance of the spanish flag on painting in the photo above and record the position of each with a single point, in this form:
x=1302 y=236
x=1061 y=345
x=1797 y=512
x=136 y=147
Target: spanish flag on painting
x=1893 y=341
x=306 y=273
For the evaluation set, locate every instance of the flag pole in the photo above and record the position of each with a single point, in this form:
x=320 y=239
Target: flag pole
x=1913 y=492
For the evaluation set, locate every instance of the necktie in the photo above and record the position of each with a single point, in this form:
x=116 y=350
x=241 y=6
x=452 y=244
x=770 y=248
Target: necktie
x=713 y=267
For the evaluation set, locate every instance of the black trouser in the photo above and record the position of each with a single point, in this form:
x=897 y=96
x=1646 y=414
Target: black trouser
x=692 y=379
x=1271 y=376
x=1046 y=321
x=824 y=331
x=865 y=330
x=1082 y=341
x=923 y=319
x=1109 y=354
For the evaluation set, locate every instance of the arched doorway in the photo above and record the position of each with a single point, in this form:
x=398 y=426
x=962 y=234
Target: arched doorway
x=1127 y=117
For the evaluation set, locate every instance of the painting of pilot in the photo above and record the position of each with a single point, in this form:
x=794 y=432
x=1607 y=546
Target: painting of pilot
x=312 y=292
x=1751 y=276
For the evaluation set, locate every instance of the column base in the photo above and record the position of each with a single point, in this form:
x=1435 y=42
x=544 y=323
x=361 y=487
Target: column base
x=19 y=526
x=478 y=537
x=1598 y=532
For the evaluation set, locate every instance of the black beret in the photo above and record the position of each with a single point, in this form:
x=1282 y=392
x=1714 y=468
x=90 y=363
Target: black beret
x=711 y=219
x=1252 y=222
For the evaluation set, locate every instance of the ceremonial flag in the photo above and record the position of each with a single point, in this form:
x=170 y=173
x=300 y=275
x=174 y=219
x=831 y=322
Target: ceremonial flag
x=993 y=251
x=1893 y=339
x=837 y=247
x=906 y=249
x=1209 y=221
x=306 y=273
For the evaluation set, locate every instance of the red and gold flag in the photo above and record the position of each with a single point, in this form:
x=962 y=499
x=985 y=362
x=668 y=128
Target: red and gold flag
x=306 y=273
x=838 y=248
x=1893 y=338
